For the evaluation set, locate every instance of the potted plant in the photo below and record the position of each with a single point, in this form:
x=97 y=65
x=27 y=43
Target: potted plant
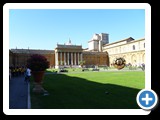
x=38 y=64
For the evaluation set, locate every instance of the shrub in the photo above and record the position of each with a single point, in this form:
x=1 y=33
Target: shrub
x=37 y=62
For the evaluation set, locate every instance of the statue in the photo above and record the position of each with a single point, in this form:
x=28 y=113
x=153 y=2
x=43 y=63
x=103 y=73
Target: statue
x=119 y=63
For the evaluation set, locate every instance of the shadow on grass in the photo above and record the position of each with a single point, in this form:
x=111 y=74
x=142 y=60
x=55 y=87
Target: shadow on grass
x=67 y=92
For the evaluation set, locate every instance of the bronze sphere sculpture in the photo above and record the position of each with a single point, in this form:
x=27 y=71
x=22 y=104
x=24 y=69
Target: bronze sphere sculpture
x=119 y=63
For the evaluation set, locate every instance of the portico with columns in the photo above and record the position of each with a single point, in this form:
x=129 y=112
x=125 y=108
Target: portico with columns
x=68 y=55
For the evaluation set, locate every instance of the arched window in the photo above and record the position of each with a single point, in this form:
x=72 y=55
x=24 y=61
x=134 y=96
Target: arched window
x=133 y=47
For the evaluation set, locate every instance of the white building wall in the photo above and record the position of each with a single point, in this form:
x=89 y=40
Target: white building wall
x=91 y=45
x=116 y=44
x=96 y=44
x=134 y=57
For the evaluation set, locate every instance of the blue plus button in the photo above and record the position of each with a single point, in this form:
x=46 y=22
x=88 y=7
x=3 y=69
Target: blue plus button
x=147 y=99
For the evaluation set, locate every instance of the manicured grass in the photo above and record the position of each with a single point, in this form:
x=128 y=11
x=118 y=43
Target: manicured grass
x=71 y=70
x=86 y=90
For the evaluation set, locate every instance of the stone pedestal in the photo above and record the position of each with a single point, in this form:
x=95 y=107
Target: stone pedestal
x=38 y=88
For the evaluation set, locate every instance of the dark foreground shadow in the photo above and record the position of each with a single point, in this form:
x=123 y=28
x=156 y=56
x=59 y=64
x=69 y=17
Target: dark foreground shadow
x=67 y=92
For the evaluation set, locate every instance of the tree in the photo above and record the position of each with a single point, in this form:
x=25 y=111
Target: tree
x=81 y=63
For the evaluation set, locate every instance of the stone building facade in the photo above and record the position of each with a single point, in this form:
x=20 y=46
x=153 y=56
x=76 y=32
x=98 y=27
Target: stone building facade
x=133 y=51
x=68 y=55
x=18 y=57
x=99 y=52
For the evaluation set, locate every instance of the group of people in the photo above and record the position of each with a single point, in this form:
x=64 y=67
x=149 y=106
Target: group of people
x=142 y=66
x=17 y=71
x=20 y=71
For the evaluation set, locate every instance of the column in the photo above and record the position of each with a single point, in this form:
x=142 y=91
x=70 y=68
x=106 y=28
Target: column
x=60 y=58
x=64 y=58
x=81 y=57
x=140 y=57
x=71 y=58
x=78 y=58
x=68 y=58
x=75 y=62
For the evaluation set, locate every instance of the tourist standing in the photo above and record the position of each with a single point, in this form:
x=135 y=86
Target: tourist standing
x=27 y=75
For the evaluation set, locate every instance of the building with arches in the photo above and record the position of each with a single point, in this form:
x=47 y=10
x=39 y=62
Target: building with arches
x=133 y=51
x=99 y=52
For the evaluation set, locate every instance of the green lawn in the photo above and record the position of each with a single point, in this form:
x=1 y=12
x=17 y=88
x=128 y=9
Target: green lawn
x=90 y=69
x=86 y=90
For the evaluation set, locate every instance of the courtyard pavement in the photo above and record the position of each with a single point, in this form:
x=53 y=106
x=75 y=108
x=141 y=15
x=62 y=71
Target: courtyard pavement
x=18 y=93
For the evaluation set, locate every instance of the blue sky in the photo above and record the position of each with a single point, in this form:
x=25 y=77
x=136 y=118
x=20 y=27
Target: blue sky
x=44 y=28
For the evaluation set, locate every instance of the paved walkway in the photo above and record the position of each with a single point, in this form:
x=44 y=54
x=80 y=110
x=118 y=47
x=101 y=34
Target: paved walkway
x=18 y=93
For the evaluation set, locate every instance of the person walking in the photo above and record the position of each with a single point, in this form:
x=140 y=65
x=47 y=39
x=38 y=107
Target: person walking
x=27 y=75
